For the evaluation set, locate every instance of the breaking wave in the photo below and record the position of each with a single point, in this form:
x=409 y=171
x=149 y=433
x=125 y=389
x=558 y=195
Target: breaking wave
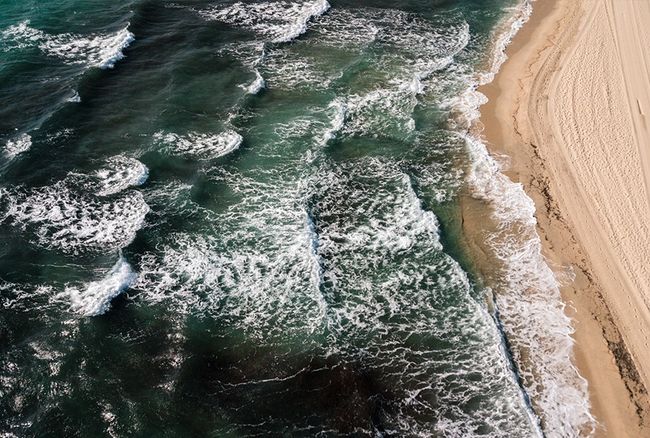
x=96 y=50
x=17 y=145
x=530 y=305
x=63 y=217
x=120 y=173
x=257 y=85
x=278 y=22
x=95 y=298
x=202 y=146
x=324 y=238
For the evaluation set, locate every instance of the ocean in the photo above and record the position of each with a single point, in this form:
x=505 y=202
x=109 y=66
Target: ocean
x=225 y=218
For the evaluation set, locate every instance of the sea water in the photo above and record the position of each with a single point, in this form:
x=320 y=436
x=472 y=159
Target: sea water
x=225 y=218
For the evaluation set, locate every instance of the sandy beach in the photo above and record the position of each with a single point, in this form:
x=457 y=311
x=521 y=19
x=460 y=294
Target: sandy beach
x=569 y=109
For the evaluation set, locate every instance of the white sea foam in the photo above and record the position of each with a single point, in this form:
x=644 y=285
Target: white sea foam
x=247 y=280
x=346 y=28
x=317 y=269
x=427 y=49
x=422 y=47
x=288 y=70
x=531 y=308
x=203 y=146
x=101 y=51
x=340 y=110
x=261 y=270
x=60 y=217
x=120 y=173
x=417 y=49
x=21 y=35
x=252 y=55
x=279 y=22
x=345 y=250
x=395 y=105
x=400 y=219
x=517 y=18
x=359 y=27
x=263 y=290
x=25 y=298
x=75 y=98
x=372 y=228
x=17 y=145
x=257 y=85
x=95 y=298
x=96 y=50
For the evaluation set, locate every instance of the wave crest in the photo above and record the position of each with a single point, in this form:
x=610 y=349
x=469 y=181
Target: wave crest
x=279 y=22
x=95 y=298
x=17 y=145
x=203 y=146
x=100 y=50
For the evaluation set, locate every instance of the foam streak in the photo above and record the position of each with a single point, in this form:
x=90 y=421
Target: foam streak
x=530 y=305
x=95 y=299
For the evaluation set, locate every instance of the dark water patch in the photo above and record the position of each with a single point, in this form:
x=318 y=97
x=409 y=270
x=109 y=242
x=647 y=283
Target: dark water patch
x=283 y=388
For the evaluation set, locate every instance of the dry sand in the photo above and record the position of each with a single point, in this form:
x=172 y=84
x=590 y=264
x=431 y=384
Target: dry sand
x=570 y=108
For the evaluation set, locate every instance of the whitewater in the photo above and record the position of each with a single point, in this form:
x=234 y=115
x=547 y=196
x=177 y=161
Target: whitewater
x=248 y=214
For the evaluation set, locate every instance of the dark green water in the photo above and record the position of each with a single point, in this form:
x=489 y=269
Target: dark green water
x=242 y=219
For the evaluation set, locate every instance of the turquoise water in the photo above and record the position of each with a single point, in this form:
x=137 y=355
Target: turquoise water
x=243 y=219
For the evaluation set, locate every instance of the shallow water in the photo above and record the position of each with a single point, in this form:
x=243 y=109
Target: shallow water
x=242 y=218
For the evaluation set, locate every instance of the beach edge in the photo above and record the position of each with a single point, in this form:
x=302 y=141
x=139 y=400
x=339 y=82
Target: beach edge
x=617 y=394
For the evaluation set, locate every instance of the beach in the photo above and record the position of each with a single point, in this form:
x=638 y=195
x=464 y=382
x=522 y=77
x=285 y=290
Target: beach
x=567 y=115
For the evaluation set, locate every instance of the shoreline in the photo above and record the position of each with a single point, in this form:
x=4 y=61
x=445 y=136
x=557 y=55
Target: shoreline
x=519 y=93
